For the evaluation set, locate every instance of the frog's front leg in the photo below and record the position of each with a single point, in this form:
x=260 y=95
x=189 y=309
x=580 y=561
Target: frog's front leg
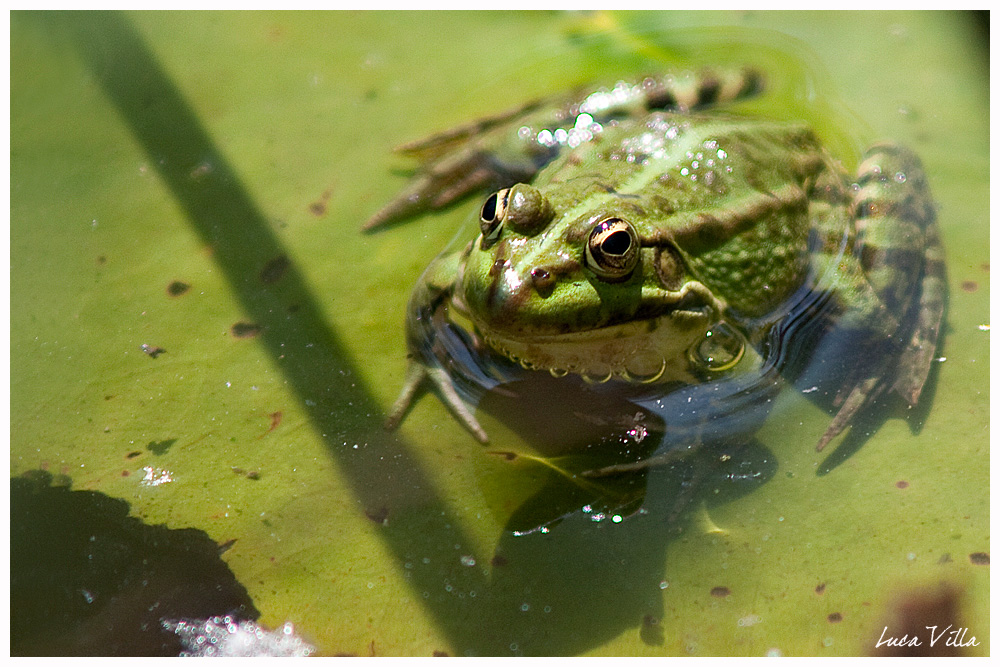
x=902 y=297
x=416 y=373
x=423 y=329
x=511 y=147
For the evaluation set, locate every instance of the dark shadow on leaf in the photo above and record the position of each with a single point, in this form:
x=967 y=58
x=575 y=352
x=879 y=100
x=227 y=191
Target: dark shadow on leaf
x=89 y=580
x=384 y=476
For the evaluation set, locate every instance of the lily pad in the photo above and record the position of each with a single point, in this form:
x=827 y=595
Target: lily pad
x=199 y=328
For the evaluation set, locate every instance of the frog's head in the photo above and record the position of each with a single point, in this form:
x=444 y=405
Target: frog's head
x=595 y=294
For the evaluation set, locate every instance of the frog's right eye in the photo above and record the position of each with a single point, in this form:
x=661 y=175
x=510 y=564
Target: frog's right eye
x=612 y=250
x=492 y=214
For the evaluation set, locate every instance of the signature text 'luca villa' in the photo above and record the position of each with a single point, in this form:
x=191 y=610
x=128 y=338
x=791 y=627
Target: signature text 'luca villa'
x=954 y=637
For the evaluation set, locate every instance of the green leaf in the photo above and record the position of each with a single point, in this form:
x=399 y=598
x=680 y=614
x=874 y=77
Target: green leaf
x=239 y=153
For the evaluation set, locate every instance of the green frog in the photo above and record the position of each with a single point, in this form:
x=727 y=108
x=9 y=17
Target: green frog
x=637 y=237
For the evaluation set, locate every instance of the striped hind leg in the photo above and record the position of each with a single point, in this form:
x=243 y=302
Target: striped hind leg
x=902 y=260
x=511 y=146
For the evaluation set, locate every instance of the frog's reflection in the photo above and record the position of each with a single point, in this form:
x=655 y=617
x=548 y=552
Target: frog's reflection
x=586 y=541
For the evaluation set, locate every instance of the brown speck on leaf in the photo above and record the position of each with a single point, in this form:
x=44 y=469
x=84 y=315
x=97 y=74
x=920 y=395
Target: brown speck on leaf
x=979 y=558
x=125 y=473
x=177 y=288
x=720 y=592
x=440 y=654
x=152 y=350
x=969 y=285
x=506 y=456
x=132 y=455
x=902 y=484
x=275 y=269
x=317 y=208
x=821 y=588
x=985 y=267
x=498 y=561
x=379 y=516
x=101 y=259
x=245 y=330
x=275 y=420
x=835 y=617
x=249 y=474
x=945 y=558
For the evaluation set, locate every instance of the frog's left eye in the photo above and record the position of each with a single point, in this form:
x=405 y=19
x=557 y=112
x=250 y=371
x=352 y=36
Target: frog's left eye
x=613 y=249
x=492 y=214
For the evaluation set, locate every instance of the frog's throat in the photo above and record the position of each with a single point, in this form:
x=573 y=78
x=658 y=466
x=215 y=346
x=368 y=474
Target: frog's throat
x=653 y=349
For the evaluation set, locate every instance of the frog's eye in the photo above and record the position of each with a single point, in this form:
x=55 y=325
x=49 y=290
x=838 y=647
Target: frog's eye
x=492 y=214
x=720 y=349
x=613 y=249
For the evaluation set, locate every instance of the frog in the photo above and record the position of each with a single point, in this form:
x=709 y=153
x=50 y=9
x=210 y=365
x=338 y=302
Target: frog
x=644 y=236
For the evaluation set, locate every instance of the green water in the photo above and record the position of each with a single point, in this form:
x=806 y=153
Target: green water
x=239 y=154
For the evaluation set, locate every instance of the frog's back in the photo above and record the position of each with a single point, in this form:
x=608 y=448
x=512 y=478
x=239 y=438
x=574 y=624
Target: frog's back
x=735 y=197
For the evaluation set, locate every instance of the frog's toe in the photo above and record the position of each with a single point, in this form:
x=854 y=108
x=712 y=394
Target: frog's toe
x=412 y=200
x=459 y=407
x=441 y=182
x=415 y=375
x=863 y=394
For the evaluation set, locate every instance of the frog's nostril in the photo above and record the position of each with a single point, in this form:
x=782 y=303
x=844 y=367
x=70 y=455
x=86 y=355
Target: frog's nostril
x=498 y=267
x=543 y=280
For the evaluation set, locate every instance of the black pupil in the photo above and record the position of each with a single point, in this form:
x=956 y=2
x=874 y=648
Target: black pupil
x=490 y=208
x=617 y=243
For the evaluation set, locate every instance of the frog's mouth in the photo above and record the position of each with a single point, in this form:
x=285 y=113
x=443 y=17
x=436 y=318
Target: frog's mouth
x=648 y=350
